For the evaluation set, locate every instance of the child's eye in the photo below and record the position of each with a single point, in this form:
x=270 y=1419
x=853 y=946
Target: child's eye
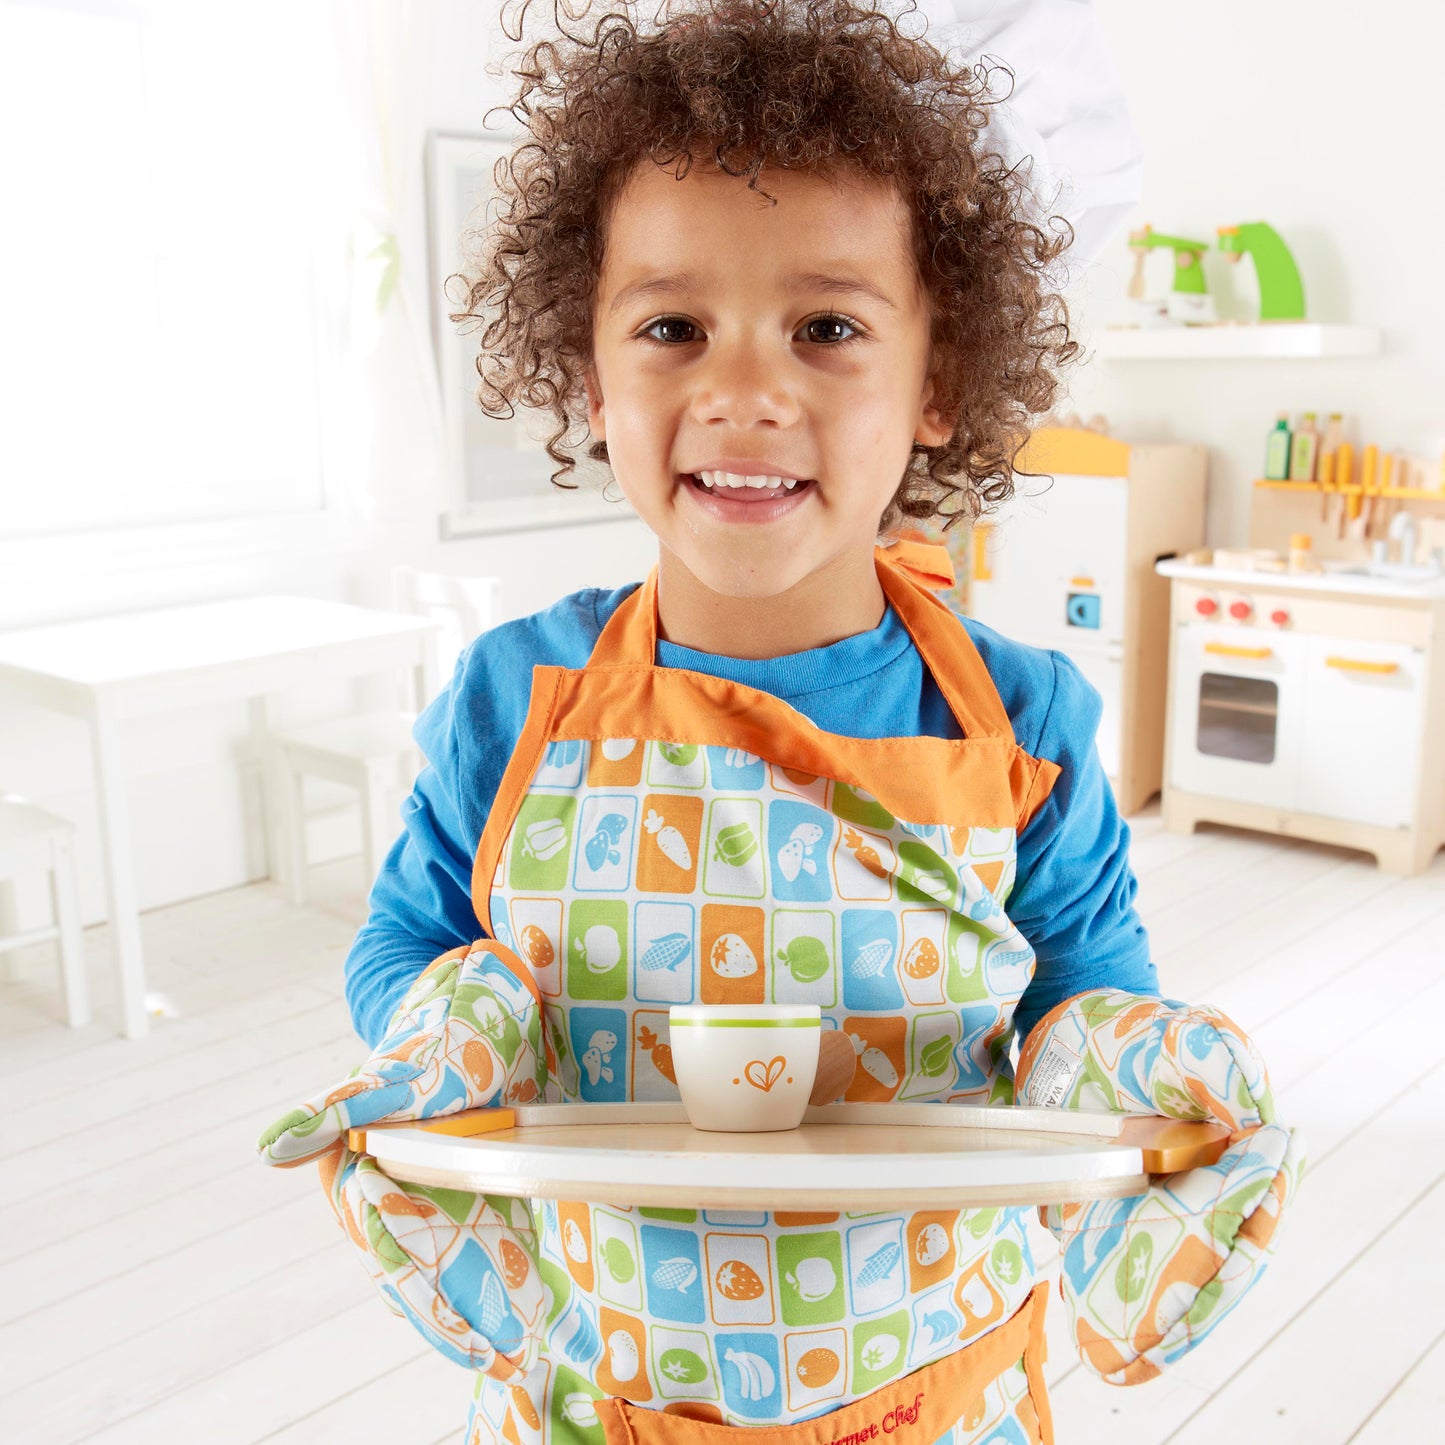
x=676 y=324
x=830 y=330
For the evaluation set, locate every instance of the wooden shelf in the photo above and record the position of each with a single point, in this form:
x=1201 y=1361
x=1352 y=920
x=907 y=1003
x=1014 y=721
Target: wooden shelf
x=1403 y=494
x=1299 y=340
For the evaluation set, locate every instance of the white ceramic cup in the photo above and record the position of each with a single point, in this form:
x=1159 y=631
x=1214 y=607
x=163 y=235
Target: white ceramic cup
x=745 y=1068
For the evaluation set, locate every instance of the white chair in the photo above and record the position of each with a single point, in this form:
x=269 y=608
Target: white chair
x=32 y=840
x=373 y=753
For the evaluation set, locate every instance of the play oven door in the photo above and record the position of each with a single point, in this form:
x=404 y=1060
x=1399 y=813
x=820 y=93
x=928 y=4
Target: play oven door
x=1237 y=726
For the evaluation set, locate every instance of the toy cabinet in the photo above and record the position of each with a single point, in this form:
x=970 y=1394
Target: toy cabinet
x=1373 y=691
x=1068 y=563
x=1306 y=706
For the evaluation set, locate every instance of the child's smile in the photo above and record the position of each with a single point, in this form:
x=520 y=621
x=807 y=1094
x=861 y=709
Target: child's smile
x=741 y=490
x=760 y=378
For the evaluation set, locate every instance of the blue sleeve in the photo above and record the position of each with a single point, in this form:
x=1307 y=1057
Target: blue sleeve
x=421 y=904
x=1073 y=898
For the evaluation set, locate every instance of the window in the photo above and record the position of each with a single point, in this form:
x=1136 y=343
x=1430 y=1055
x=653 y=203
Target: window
x=174 y=180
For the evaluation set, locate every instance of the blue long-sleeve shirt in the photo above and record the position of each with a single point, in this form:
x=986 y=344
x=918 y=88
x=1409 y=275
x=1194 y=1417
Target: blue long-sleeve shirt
x=1073 y=896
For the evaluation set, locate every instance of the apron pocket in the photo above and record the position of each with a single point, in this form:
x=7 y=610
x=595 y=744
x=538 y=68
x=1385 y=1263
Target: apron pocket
x=965 y=1396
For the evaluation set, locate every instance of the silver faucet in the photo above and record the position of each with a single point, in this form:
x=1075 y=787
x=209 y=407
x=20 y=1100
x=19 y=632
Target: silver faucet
x=1403 y=531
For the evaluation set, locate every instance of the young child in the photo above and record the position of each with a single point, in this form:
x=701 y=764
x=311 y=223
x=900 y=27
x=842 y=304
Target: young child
x=757 y=251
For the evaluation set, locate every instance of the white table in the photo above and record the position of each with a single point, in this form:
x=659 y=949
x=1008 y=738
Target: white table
x=114 y=669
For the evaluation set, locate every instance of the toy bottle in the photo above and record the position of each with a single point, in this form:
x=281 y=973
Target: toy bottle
x=1301 y=553
x=1276 y=451
x=1304 y=450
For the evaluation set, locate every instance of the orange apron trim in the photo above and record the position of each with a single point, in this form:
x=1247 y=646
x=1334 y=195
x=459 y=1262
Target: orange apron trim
x=917 y=1410
x=918 y=779
x=984 y=775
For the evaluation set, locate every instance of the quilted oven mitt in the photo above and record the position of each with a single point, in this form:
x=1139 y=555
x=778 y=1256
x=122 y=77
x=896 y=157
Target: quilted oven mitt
x=461 y=1267
x=1146 y=1279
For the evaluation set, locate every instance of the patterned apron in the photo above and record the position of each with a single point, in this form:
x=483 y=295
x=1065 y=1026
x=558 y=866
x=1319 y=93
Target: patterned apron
x=661 y=836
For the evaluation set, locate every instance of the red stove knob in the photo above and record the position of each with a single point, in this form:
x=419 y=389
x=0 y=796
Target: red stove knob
x=1206 y=607
x=1279 y=617
x=1240 y=609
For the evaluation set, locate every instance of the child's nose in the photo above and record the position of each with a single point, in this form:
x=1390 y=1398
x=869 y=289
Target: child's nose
x=743 y=383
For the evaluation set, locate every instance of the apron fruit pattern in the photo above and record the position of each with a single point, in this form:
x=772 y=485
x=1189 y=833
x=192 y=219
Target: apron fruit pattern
x=663 y=838
x=642 y=874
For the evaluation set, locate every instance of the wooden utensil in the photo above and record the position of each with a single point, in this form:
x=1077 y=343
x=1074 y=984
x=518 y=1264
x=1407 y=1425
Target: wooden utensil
x=837 y=1064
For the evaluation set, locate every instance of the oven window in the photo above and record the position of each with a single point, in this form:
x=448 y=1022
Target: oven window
x=1238 y=717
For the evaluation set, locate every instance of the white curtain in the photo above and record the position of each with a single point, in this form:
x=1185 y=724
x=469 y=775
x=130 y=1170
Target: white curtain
x=394 y=424
x=205 y=314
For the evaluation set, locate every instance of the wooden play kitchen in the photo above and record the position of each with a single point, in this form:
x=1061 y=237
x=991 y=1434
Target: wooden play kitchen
x=1302 y=706
x=855 y=1156
x=1311 y=702
x=1068 y=563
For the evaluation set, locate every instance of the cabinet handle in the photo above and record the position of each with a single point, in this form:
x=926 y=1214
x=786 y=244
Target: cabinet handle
x=982 y=572
x=1351 y=664
x=1223 y=649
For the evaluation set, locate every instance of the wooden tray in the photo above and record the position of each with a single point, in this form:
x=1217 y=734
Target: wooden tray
x=845 y=1156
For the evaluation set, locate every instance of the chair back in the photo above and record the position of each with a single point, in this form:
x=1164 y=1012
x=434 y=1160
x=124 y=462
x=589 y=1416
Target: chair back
x=464 y=606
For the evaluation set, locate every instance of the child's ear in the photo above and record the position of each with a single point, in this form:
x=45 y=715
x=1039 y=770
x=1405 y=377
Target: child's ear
x=596 y=420
x=934 y=428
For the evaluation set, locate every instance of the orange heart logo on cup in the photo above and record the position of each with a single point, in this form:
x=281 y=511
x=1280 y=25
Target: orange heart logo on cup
x=764 y=1076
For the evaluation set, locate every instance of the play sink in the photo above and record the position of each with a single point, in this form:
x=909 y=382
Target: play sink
x=1390 y=571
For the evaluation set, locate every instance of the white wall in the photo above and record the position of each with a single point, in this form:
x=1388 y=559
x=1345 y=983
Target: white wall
x=1325 y=120
x=1321 y=118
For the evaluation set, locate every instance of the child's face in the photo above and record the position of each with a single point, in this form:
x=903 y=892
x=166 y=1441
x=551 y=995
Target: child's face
x=788 y=340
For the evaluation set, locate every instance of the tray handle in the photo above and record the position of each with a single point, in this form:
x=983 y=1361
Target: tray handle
x=1170 y=1146
x=465 y=1125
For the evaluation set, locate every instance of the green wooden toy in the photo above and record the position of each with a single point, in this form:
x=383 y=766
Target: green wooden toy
x=1281 y=292
x=1189 y=298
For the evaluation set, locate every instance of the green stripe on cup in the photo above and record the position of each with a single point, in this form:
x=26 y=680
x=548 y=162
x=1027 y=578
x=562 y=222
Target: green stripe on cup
x=746 y=1023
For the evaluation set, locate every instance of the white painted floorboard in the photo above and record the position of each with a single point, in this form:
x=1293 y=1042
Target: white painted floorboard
x=159 y=1285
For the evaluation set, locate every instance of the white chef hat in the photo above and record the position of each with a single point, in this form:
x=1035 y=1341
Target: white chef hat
x=1065 y=119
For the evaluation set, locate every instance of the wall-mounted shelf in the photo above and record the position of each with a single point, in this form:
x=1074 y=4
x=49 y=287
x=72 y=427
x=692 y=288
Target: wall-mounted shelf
x=1298 y=340
x=1403 y=494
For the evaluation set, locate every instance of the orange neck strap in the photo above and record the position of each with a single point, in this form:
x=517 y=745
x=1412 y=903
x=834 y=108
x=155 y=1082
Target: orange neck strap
x=630 y=637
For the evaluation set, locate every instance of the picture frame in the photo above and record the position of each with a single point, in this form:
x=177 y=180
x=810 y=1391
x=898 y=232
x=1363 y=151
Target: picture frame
x=499 y=470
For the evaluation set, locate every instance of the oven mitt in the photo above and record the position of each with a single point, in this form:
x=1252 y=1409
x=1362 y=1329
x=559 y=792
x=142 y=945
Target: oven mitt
x=467 y=1034
x=461 y=1267
x=1146 y=1279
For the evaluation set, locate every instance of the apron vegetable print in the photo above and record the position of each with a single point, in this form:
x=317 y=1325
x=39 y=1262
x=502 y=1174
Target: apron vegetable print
x=662 y=837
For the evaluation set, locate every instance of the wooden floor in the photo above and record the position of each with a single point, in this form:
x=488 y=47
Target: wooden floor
x=159 y=1285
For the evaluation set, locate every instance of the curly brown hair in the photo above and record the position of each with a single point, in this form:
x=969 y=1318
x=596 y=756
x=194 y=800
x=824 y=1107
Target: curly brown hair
x=746 y=85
